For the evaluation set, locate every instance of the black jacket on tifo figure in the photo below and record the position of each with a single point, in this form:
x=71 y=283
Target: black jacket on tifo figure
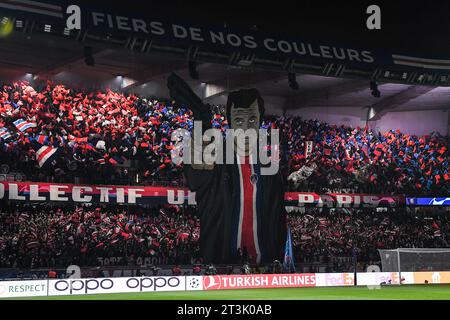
x=219 y=200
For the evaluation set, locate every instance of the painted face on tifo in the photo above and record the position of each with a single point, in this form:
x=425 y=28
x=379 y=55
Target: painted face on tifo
x=245 y=118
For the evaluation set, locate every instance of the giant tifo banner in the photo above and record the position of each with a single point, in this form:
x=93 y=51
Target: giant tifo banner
x=114 y=194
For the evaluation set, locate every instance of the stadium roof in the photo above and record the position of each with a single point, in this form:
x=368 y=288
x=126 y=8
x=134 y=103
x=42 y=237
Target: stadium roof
x=43 y=56
x=411 y=26
x=144 y=73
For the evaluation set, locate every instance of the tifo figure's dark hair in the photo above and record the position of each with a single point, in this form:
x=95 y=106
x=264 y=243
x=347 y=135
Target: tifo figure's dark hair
x=243 y=99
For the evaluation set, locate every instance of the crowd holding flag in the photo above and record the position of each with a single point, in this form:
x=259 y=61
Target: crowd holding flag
x=104 y=129
x=4 y=134
x=45 y=155
x=23 y=125
x=308 y=149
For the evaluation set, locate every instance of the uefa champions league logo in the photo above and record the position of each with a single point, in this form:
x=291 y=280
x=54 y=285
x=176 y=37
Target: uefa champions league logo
x=194 y=283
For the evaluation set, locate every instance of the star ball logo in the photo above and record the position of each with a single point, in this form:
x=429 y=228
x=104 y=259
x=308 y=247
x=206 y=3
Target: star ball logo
x=194 y=283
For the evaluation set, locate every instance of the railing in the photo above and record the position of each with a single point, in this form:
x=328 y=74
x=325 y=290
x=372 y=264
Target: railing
x=135 y=270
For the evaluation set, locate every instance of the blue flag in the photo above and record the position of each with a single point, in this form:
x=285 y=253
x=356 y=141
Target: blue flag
x=288 y=263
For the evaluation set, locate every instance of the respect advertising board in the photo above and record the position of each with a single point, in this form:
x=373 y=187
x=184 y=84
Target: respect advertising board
x=26 y=288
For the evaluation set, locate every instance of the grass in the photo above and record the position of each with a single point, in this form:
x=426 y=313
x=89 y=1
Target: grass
x=404 y=292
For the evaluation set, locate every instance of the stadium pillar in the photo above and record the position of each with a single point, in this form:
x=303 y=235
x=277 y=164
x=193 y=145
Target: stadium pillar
x=448 y=124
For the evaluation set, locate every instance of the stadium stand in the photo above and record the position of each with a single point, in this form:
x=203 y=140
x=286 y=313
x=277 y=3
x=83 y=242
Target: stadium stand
x=92 y=136
x=40 y=236
x=43 y=236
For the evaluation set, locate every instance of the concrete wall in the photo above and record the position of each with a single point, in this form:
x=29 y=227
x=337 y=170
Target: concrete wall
x=410 y=122
x=415 y=122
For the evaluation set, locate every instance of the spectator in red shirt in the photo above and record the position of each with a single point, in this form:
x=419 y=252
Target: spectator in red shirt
x=176 y=271
x=196 y=271
x=52 y=274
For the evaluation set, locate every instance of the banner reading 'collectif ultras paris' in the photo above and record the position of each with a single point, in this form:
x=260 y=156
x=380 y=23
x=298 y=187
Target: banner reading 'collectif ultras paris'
x=124 y=195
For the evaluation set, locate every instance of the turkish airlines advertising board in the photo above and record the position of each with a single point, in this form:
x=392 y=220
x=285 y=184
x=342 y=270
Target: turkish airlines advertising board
x=223 y=282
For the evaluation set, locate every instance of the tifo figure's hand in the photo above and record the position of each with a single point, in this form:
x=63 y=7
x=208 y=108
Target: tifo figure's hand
x=181 y=92
x=203 y=165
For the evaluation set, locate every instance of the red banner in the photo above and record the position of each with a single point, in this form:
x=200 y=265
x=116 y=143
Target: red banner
x=113 y=194
x=339 y=200
x=63 y=192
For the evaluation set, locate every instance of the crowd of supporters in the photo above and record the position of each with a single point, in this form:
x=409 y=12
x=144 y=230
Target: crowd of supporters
x=318 y=235
x=33 y=236
x=42 y=236
x=365 y=161
x=96 y=134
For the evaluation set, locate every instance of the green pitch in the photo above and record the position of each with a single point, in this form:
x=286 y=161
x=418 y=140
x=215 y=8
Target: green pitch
x=404 y=292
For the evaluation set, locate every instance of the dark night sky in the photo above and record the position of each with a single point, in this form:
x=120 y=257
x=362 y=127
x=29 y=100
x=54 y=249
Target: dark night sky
x=411 y=26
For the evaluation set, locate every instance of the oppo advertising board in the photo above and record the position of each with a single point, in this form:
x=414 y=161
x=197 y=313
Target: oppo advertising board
x=62 y=287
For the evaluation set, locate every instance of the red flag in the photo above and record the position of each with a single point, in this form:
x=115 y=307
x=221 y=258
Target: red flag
x=438 y=178
x=435 y=225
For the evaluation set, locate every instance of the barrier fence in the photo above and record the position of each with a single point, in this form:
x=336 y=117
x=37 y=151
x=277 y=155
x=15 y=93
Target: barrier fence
x=60 y=287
